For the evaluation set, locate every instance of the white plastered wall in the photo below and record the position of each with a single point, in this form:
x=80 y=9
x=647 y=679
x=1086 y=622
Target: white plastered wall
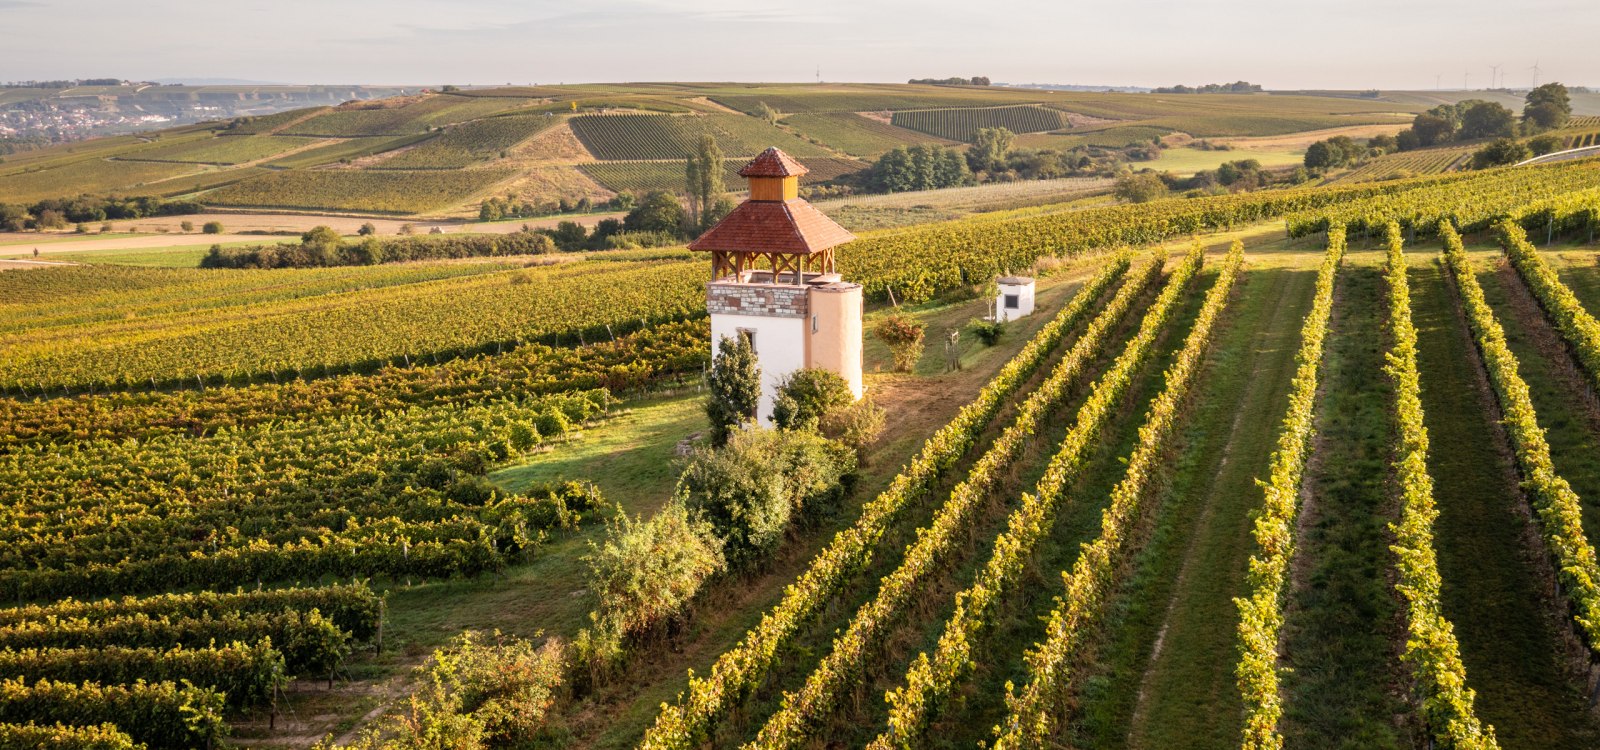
x=1024 y=294
x=780 y=349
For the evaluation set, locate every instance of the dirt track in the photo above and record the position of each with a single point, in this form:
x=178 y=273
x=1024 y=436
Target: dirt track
x=17 y=244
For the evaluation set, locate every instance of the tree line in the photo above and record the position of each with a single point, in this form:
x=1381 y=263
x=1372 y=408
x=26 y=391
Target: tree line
x=1237 y=87
x=1515 y=139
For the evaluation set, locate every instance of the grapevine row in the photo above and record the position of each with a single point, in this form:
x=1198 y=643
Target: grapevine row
x=1580 y=329
x=1472 y=202
x=846 y=663
x=398 y=493
x=565 y=303
x=1431 y=647
x=630 y=363
x=31 y=736
x=956 y=253
x=160 y=714
x=1097 y=572
x=246 y=674
x=1556 y=507
x=354 y=607
x=308 y=641
x=1261 y=615
x=930 y=681
x=738 y=671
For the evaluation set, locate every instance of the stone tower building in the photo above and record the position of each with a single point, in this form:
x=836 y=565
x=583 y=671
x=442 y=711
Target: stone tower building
x=774 y=281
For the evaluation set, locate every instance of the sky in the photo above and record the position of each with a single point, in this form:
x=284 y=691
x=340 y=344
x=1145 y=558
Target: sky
x=1281 y=44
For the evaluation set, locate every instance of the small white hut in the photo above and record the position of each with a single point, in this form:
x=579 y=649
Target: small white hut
x=1015 y=298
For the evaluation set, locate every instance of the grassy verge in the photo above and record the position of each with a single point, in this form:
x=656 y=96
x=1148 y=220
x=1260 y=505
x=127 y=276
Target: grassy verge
x=1168 y=671
x=1341 y=620
x=1491 y=586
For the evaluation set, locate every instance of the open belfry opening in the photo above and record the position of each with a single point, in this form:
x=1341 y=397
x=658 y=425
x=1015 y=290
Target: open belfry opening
x=774 y=281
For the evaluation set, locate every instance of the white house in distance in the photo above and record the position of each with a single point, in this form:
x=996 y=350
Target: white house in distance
x=1015 y=298
x=775 y=284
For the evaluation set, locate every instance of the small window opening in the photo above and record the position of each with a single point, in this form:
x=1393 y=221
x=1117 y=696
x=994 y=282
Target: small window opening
x=1013 y=301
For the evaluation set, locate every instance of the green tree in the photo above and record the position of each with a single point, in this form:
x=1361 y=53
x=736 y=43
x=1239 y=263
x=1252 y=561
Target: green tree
x=212 y=227
x=1433 y=129
x=1502 y=151
x=367 y=229
x=768 y=112
x=324 y=244
x=569 y=235
x=1321 y=156
x=703 y=181
x=658 y=211
x=369 y=251
x=1548 y=106
x=13 y=218
x=1142 y=187
x=734 y=385
x=990 y=146
x=1487 y=120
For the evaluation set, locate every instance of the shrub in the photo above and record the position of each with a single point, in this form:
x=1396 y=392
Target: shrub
x=187 y=226
x=212 y=227
x=988 y=331
x=806 y=395
x=903 y=335
x=479 y=691
x=857 y=425
x=644 y=575
x=750 y=488
x=1544 y=144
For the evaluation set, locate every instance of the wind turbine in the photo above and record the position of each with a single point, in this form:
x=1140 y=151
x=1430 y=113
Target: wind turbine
x=1494 y=74
x=1535 y=70
x=1466 y=76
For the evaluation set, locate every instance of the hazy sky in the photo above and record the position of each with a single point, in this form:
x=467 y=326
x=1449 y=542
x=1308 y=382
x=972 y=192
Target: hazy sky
x=1278 y=43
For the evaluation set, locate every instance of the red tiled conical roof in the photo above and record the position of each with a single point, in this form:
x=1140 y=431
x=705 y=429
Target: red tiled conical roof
x=791 y=226
x=773 y=163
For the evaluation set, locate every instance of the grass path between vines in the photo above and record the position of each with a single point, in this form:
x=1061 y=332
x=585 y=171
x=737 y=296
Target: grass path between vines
x=1169 y=665
x=1341 y=633
x=1561 y=393
x=1487 y=550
